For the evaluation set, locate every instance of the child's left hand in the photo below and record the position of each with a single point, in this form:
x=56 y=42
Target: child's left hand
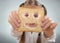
x=48 y=26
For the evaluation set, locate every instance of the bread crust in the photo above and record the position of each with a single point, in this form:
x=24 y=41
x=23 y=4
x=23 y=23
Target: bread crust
x=30 y=10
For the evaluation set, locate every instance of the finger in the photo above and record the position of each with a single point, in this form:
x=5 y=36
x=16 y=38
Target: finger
x=47 y=25
x=53 y=25
x=46 y=21
x=15 y=14
x=14 y=20
x=44 y=18
x=12 y=24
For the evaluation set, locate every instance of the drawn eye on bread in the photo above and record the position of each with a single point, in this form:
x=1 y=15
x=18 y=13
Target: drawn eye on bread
x=30 y=13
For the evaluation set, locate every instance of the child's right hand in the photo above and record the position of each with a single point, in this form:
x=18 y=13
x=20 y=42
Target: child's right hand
x=14 y=20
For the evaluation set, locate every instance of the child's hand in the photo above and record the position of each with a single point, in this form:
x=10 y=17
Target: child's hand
x=48 y=26
x=14 y=20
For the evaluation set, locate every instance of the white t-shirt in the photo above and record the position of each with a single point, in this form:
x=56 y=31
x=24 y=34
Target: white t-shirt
x=32 y=38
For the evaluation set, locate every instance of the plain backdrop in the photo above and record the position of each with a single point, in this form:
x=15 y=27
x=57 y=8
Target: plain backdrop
x=6 y=6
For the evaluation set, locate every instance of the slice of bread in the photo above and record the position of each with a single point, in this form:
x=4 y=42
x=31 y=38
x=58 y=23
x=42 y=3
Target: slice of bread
x=30 y=18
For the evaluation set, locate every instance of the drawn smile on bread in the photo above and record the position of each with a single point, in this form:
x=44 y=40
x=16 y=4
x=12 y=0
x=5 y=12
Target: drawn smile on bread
x=31 y=24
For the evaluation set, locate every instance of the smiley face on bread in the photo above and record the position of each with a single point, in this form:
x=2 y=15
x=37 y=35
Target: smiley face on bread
x=30 y=17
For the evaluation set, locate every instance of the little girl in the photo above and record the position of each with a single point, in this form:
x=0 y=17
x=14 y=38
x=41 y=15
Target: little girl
x=48 y=26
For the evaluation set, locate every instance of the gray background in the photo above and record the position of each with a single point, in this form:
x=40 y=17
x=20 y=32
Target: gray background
x=6 y=6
